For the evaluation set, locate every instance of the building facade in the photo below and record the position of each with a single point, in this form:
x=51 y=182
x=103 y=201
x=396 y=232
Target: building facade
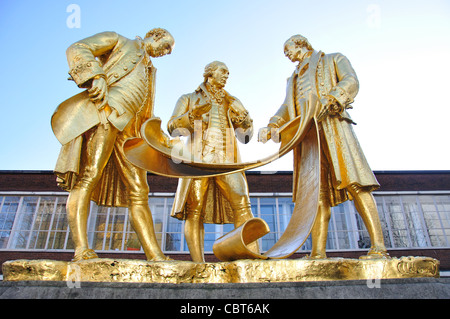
x=414 y=209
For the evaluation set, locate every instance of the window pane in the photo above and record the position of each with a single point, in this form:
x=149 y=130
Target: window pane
x=10 y=204
x=100 y=226
x=267 y=208
x=209 y=241
x=416 y=229
x=174 y=225
x=116 y=228
x=436 y=218
x=173 y=242
x=4 y=236
x=24 y=223
x=57 y=240
x=285 y=208
x=268 y=241
x=132 y=242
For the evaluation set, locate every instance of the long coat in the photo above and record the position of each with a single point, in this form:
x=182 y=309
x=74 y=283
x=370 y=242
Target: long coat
x=217 y=209
x=329 y=75
x=130 y=80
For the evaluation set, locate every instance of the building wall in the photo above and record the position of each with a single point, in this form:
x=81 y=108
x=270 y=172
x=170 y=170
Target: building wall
x=259 y=182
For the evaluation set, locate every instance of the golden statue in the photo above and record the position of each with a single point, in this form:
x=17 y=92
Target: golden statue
x=212 y=119
x=344 y=171
x=92 y=126
x=112 y=122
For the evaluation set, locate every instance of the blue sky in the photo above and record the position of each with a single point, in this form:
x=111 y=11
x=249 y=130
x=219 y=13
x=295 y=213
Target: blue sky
x=399 y=49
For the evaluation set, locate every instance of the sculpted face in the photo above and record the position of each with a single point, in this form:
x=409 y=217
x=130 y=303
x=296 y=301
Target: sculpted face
x=294 y=52
x=161 y=47
x=219 y=76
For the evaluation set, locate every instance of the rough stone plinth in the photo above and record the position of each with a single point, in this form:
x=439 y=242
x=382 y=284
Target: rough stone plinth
x=241 y=271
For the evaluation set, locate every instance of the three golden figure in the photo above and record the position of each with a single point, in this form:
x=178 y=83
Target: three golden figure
x=118 y=76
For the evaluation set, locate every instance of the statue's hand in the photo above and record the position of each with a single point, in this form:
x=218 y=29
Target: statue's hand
x=331 y=108
x=335 y=108
x=198 y=110
x=99 y=92
x=264 y=134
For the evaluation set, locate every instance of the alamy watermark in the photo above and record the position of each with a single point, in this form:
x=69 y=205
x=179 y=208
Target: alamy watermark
x=73 y=21
x=373 y=283
x=374 y=18
x=73 y=276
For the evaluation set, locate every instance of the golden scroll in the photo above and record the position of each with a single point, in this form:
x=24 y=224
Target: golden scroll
x=153 y=154
x=233 y=245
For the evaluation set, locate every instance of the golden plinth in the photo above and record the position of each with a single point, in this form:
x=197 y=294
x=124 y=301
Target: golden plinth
x=242 y=271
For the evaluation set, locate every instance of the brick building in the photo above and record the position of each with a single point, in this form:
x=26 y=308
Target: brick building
x=414 y=209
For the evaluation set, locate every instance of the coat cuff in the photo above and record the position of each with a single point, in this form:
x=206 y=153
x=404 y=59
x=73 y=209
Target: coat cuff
x=276 y=122
x=340 y=95
x=84 y=72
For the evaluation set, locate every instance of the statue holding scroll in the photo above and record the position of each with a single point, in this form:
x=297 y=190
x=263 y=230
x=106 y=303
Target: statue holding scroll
x=92 y=126
x=212 y=119
x=110 y=138
x=345 y=173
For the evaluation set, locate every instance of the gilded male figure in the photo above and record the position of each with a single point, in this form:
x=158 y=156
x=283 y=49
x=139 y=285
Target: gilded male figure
x=345 y=173
x=119 y=77
x=212 y=119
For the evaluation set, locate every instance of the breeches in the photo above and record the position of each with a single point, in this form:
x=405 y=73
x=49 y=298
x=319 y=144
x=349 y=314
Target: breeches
x=232 y=186
x=101 y=145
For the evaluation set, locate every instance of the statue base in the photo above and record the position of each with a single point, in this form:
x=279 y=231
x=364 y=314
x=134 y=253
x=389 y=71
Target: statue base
x=241 y=271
